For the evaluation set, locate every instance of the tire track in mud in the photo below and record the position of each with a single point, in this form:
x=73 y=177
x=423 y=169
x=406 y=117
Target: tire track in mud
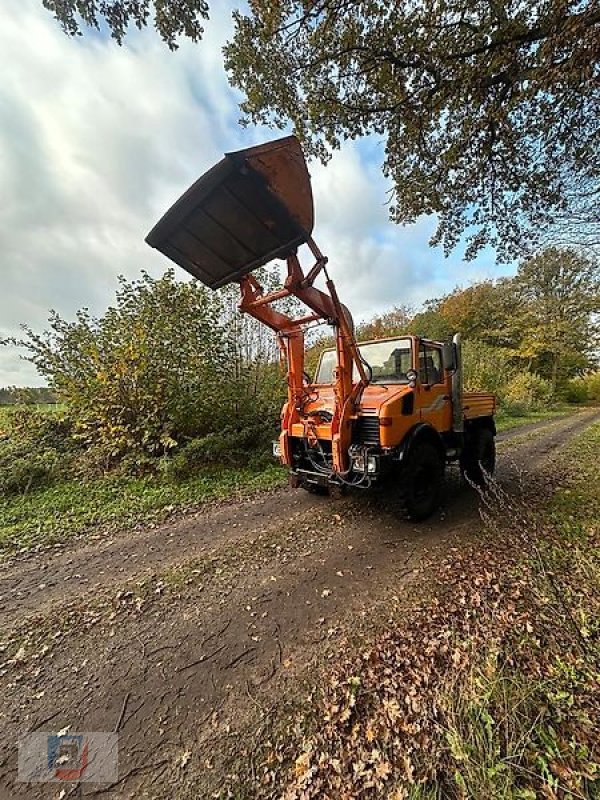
x=270 y=599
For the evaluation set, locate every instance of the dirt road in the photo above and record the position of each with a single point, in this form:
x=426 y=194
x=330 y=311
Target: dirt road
x=181 y=636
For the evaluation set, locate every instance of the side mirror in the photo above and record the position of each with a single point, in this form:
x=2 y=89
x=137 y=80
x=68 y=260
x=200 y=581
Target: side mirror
x=449 y=357
x=412 y=378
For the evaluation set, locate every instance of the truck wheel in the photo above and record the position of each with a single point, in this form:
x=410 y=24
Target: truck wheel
x=479 y=458
x=424 y=478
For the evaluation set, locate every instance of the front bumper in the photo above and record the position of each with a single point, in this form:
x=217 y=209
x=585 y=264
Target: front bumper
x=368 y=465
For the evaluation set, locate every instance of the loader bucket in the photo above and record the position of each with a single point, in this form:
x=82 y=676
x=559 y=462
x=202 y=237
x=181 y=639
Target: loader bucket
x=252 y=207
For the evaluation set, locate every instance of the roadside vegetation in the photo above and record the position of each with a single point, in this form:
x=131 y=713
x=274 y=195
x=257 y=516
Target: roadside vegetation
x=117 y=502
x=507 y=419
x=490 y=690
x=172 y=399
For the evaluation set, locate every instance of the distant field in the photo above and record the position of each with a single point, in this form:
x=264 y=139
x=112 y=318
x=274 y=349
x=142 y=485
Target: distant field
x=4 y=410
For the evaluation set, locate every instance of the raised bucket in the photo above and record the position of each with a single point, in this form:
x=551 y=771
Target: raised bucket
x=252 y=207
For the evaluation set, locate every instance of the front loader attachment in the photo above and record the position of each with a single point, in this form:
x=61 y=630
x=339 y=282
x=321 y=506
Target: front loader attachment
x=252 y=207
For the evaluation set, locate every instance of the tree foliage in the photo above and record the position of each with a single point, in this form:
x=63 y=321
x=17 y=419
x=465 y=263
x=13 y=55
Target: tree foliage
x=545 y=318
x=488 y=109
x=167 y=363
x=171 y=18
x=559 y=297
x=525 y=336
x=391 y=323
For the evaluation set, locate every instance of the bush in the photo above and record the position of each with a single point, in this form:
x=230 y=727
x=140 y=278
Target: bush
x=527 y=391
x=583 y=390
x=486 y=368
x=21 y=470
x=592 y=385
x=37 y=429
x=490 y=369
x=168 y=363
x=36 y=448
x=229 y=447
x=575 y=391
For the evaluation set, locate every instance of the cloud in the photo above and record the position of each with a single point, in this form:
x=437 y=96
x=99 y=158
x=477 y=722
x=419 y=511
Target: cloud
x=97 y=141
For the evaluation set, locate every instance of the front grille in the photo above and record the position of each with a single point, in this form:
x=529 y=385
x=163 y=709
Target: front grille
x=366 y=430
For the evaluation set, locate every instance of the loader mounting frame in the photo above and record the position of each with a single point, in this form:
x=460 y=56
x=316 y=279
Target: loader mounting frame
x=290 y=338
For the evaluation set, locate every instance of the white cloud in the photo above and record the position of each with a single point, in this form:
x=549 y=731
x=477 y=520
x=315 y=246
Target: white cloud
x=96 y=141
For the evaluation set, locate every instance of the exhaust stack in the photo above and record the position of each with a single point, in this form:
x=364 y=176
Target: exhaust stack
x=458 y=422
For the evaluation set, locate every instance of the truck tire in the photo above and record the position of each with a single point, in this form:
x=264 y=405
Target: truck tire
x=424 y=478
x=478 y=460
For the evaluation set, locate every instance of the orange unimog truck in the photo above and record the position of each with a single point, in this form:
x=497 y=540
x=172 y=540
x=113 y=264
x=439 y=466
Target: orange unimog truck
x=387 y=409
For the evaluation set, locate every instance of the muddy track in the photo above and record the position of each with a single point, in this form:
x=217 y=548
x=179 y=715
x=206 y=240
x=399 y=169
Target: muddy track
x=179 y=635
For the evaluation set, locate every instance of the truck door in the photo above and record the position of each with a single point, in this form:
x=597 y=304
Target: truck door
x=434 y=393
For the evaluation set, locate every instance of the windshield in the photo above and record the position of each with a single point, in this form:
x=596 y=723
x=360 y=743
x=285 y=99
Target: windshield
x=389 y=362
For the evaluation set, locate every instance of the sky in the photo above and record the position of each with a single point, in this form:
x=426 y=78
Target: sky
x=97 y=141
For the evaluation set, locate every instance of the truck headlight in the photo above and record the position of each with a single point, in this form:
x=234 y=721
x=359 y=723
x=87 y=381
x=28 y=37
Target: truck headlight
x=358 y=462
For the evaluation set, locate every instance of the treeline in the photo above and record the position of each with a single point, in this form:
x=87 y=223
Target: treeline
x=28 y=395
x=533 y=339
x=172 y=378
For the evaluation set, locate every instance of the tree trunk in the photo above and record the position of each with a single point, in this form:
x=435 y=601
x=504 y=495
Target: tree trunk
x=554 y=373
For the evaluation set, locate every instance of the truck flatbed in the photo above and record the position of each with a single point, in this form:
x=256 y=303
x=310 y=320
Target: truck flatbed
x=478 y=404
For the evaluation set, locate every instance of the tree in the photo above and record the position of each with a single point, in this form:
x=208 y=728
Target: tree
x=559 y=292
x=483 y=311
x=165 y=364
x=578 y=223
x=172 y=18
x=488 y=109
x=431 y=324
x=394 y=322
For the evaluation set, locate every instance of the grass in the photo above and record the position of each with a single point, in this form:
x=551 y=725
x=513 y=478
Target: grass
x=70 y=508
x=506 y=420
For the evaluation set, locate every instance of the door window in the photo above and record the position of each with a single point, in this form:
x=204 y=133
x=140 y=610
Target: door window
x=430 y=365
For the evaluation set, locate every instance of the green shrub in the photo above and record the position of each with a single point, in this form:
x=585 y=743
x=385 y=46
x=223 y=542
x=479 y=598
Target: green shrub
x=575 y=391
x=592 y=385
x=585 y=389
x=37 y=446
x=247 y=447
x=22 y=471
x=486 y=368
x=527 y=391
x=169 y=362
x=37 y=429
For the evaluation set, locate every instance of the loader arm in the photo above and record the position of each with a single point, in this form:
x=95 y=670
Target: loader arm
x=290 y=337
